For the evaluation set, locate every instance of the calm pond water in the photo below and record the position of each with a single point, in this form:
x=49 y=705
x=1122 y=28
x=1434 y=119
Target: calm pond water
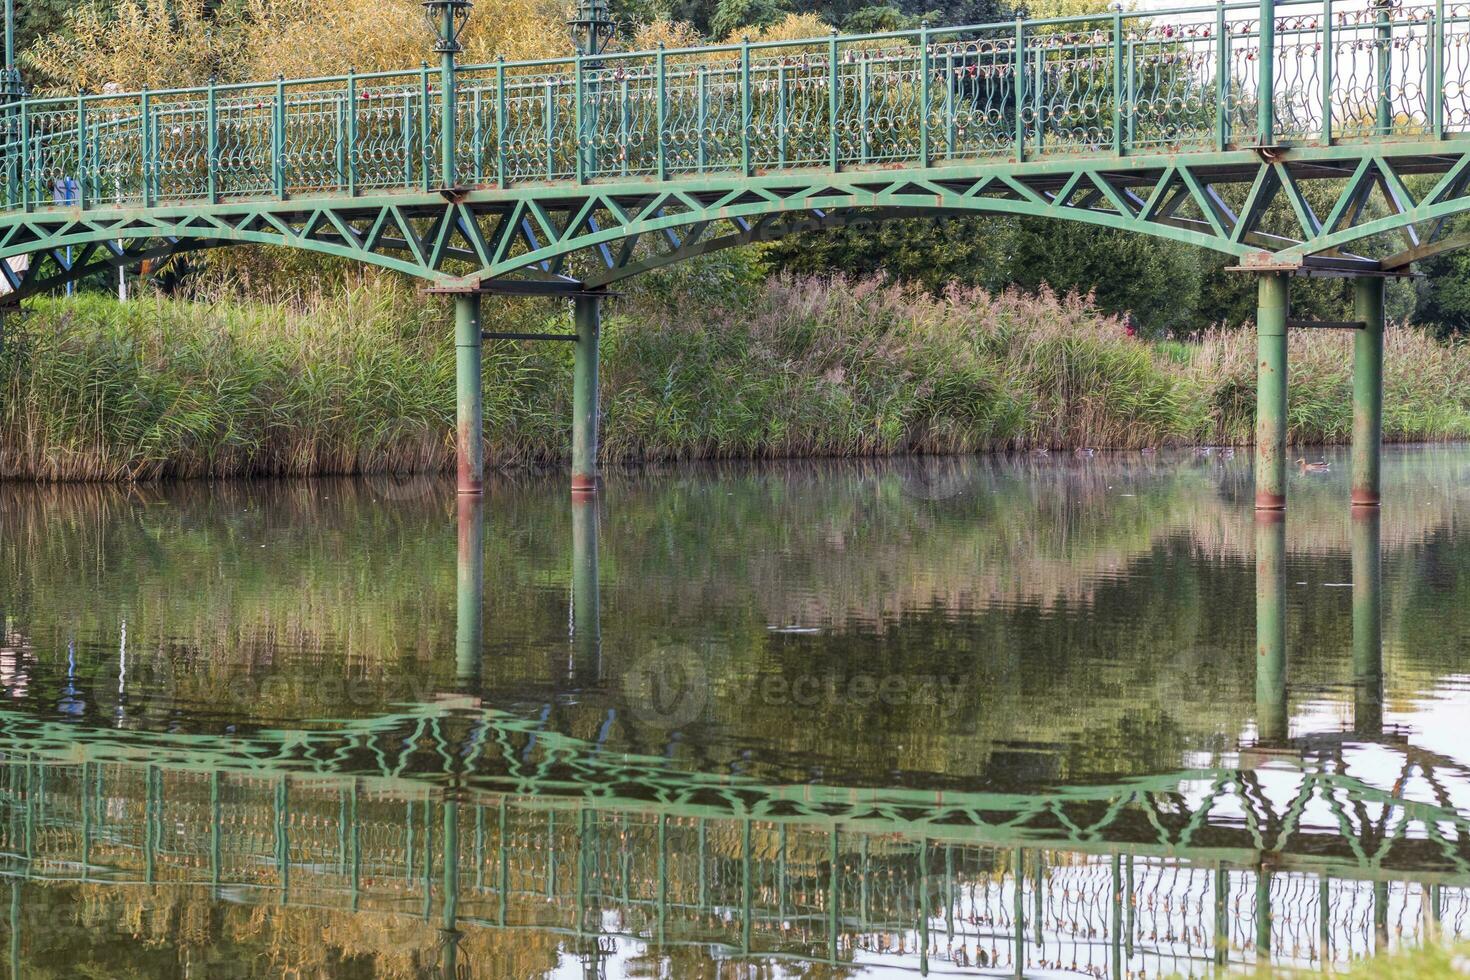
x=1004 y=716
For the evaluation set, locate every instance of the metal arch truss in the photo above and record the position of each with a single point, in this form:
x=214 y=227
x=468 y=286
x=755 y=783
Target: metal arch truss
x=1378 y=209
x=1335 y=819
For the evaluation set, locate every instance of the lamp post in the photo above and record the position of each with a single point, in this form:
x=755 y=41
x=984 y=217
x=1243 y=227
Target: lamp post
x=592 y=27
x=447 y=18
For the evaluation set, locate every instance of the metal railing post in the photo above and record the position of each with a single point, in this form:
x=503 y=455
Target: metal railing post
x=701 y=121
x=833 y=92
x=1436 y=73
x=82 y=195
x=1328 y=64
x=1118 y=78
x=1383 y=69
x=1222 y=78
x=1266 y=79
x=145 y=148
x=549 y=118
x=211 y=142
x=925 y=69
x=351 y=134
x=662 y=97
x=278 y=141
x=426 y=130
x=579 y=120
x=500 y=126
x=1018 y=59
x=746 y=165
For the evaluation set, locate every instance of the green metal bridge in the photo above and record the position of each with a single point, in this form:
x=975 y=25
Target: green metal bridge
x=1304 y=137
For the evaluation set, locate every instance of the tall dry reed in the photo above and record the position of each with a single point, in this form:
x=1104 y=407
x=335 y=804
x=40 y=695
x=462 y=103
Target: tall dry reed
x=363 y=381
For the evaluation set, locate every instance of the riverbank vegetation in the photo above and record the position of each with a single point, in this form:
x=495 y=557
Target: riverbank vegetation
x=700 y=363
x=909 y=336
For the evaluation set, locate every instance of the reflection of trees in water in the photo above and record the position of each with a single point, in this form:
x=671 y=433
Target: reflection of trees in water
x=1055 y=603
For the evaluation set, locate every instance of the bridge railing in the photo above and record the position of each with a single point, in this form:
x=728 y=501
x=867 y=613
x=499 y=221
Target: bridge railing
x=1117 y=83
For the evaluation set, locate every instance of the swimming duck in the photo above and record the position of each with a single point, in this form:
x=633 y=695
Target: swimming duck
x=1321 y=466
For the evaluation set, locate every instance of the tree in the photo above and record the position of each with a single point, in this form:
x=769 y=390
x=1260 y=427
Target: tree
x=1444 y=293
x=732 y=16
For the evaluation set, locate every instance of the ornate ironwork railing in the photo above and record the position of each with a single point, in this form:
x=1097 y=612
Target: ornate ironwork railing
x=469 y=819
x=1115 y=84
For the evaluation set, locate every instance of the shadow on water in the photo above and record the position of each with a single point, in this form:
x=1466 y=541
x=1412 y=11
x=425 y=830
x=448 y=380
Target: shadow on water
x=935 y=716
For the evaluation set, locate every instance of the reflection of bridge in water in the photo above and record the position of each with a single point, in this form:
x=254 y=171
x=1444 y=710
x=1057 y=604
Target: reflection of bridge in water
x=1304 y=848
x=1307 y=850
x=479 y=821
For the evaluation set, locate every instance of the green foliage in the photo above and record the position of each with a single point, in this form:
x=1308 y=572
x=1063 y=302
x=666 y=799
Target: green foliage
x=728 y=279
x=37 y=18
x=1157 y=281
x=731 y=16
x=704 y=361
x=719 y=18
x=1444 y=293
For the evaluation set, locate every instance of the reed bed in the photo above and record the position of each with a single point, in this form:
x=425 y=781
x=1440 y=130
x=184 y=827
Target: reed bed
x=362 y=381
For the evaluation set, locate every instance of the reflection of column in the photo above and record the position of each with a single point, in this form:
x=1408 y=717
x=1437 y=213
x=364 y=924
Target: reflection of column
x=1263 y=916
x=1367 y=623
x=15 y=927
x=586 y=614
x=449 y=931
x=1271 y=712
x=469 y=633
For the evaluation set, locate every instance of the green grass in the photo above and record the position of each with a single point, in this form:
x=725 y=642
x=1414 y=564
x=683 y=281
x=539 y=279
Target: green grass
x=1431 y=962
x=363 y=381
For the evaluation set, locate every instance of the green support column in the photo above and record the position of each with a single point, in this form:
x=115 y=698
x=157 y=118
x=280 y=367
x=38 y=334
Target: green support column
x=1271 y=706
x=587 y=314
x=1367 y=624
x=469 y=441
x=586 y=599
x=469 y=635
x=1367 y=390
x=1273 y=304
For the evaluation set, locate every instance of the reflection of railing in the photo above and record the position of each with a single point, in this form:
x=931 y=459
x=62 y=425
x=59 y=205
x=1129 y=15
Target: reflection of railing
x=1187 y=79
x=806 y=881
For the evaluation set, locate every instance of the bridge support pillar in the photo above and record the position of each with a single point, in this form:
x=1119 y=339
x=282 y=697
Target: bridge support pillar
x=469 y=629
x=587 y=315
x=1367 y=390
x=469 y=433
x=1271 y=705
x=1273 y=305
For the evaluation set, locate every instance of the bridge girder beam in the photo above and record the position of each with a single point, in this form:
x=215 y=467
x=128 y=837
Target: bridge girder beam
x=599 y=233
